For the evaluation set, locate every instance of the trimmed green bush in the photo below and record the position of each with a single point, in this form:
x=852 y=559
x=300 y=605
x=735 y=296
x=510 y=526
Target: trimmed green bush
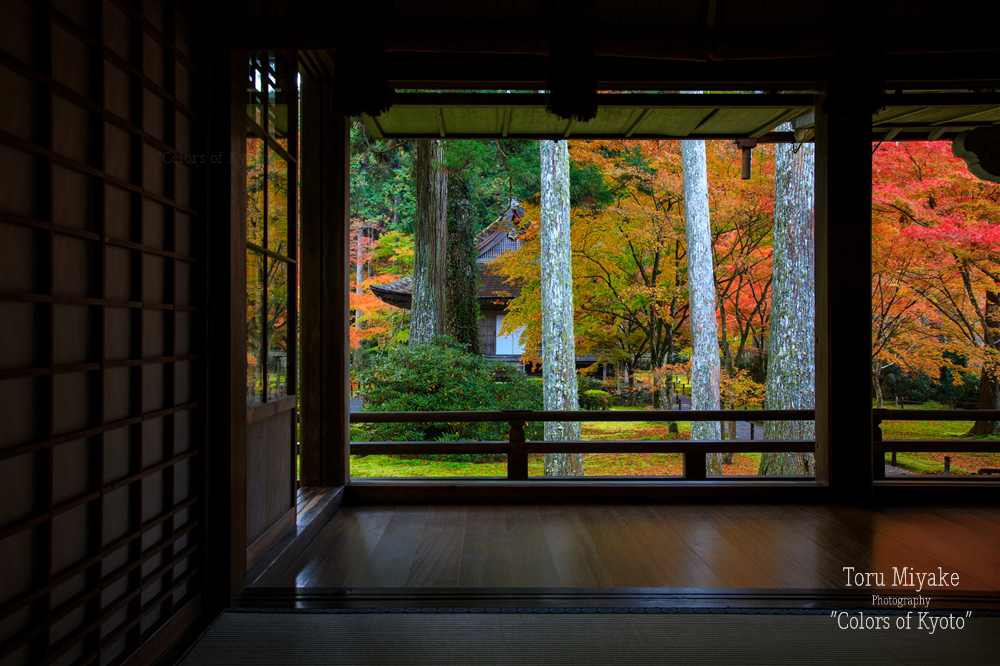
x=441 y=376
x=595 y=399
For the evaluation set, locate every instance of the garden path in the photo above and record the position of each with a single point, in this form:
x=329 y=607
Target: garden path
x=743 y=430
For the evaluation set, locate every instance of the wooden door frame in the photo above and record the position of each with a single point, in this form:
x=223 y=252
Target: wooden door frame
x=226 y=481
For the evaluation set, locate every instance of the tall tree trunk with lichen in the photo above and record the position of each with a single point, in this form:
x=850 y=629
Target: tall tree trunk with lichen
x=877 y=367
x=558 y=346
x=728 y=427
x=989 y=378
x=430 y=242
x=462 y=281
x=791 y=363
x=701 y=288
x=359 y=274
x=358 y=360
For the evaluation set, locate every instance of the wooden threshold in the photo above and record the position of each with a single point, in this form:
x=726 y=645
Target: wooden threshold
x=271 y=536
x=545 y=491
x=525 y=600
x=315 y=508
x=954 y=490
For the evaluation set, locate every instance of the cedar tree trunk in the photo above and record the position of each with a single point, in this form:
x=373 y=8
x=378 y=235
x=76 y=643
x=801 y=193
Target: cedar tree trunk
x=558 y=349
x=791 y=364
x=705 y=369
x=463 y=282
x=430 y=241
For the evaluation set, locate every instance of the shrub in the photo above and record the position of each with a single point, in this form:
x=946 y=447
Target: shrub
x=595 y=399
x=441 y=376
x=921 y=387
x=585 y=383
x=917 y=387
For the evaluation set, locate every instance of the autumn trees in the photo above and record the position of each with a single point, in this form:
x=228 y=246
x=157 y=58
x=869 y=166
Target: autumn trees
x=454 y=189
x=630 y=263
x=935 y=276
x=945 y=262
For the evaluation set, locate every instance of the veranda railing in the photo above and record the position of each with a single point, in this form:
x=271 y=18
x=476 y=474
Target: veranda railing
x=964 y=445
x=517 y=448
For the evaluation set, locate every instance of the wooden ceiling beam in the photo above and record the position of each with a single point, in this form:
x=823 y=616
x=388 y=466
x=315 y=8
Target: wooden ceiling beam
x=646 y=101
x=782 y=118
x=617 y=39
x=491 y=72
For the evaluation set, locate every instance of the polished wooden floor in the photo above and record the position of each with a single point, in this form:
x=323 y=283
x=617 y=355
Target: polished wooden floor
x=643 y=546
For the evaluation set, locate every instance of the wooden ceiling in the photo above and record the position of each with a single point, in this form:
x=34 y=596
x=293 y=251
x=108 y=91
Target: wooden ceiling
x=652 y=46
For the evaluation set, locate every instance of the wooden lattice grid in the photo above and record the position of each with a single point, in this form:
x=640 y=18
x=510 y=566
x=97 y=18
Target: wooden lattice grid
x=102 y=381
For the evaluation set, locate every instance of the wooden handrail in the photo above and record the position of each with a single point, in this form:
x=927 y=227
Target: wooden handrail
x=936 y=414
x=938 y=445
x=582 y=415
x=517 y=449
x=586 y=446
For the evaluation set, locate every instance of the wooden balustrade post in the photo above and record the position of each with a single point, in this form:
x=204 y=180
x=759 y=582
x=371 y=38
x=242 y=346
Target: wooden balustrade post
x=694 y=466
x=517 y=461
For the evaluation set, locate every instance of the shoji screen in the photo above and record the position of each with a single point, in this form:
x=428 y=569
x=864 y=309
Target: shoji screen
x=102 y=371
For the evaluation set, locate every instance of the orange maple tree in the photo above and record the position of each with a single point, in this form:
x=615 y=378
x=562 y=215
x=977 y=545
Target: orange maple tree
x=947 y=224
x=388 y=258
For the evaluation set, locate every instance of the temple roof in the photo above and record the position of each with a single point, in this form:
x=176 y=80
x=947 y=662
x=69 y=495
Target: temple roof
x=499 y=237
x=493 y=290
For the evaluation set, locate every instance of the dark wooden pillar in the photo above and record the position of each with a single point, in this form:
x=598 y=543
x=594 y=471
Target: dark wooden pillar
x=843 y=293
x=227 y=469
x=325 y=310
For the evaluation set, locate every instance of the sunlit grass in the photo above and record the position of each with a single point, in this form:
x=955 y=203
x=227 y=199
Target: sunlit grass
x=924 y=429
x=933 y=462
x=637 y=430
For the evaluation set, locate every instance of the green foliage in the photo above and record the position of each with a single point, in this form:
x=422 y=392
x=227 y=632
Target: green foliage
x=588 y=187
x=595 y=399
x=441 y=375
x=585 y=383
x=918 y=387
x=494 y=171
x=479 y=174
x=381 y=182
x=395 y=249
x=520 y=162
x=964 y=389
x=921 y=387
